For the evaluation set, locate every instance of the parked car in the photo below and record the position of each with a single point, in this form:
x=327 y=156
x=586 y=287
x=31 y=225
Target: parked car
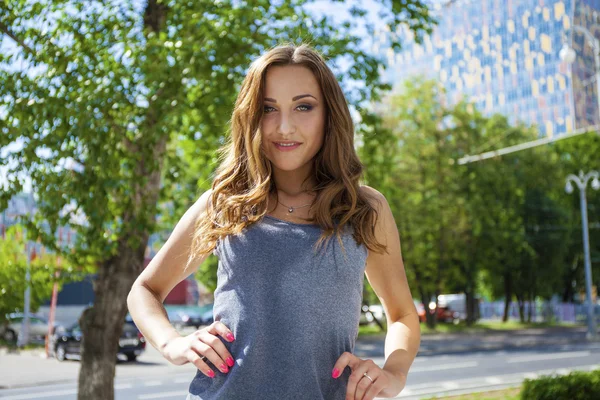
x=183 y=318
x=447 y=314
x=443 y=313
x=458 y=303
x=67 y=342
x=208 y=317
x=12 y=327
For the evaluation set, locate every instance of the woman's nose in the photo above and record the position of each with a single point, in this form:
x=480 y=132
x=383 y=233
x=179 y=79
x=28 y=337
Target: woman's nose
x=286 y=125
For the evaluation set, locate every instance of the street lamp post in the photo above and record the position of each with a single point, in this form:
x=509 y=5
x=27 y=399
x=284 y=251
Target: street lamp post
x=568 y=55
x=581 y=181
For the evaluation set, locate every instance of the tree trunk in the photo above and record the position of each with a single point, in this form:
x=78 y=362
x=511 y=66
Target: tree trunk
x=430 y=319
x=521 y=303
x=568 y=295
x=532 y=294
x=531 y=306
x=470 y=269
x=471 y=313
x=507 y=295
x=102 y=323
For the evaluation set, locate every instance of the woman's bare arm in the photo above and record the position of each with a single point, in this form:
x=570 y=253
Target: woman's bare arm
x=165 y=270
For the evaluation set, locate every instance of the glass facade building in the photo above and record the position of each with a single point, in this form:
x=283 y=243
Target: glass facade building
x=504 y=56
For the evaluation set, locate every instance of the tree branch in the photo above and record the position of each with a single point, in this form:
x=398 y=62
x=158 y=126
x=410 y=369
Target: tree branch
x=4 y=29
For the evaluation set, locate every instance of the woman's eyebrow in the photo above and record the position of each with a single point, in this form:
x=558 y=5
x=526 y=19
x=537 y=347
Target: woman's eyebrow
x=301 y=96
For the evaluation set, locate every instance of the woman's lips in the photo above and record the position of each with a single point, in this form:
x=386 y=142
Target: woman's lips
x=287 y=148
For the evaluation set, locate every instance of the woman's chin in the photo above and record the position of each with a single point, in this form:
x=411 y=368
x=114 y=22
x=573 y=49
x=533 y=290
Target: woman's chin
x=287 y=166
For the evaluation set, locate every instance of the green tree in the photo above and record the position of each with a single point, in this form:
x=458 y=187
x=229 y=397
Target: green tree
x=531 y=222
x=107 y=96
x=463 y=223
x=544 y=219
x=409 y=159
x=496 y=205
x=576 y=154
x=13 y=267
x=468 y=129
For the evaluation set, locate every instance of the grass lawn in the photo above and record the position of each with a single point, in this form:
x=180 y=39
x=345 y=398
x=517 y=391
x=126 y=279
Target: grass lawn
x=480 y=327
x=505 y=394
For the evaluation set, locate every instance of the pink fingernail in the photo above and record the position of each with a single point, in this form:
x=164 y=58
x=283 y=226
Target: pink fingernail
x=230 y=337
x=230 y=361
x=336 y=373
x=211 y=373
x=224 y=368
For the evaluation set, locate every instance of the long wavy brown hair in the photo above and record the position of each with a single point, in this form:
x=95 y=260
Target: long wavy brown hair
x=244 y=180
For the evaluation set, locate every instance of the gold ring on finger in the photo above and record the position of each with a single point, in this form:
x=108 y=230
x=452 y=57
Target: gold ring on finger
x=367 y=376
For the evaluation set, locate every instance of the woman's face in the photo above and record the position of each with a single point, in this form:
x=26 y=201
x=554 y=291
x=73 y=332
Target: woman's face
x=294 y=113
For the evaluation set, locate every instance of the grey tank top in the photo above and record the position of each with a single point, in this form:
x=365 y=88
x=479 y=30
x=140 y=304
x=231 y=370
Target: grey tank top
x=293 y=312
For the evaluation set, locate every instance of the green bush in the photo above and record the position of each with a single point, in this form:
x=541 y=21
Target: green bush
x=577 y=385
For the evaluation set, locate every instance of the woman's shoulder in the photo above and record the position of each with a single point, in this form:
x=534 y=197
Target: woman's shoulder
x=374 y=197
x=200 y=205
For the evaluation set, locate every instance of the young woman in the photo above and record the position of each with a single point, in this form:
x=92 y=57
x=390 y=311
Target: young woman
x=294 y=233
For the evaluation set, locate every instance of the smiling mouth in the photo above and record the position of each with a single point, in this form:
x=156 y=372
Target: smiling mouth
x=286 y=145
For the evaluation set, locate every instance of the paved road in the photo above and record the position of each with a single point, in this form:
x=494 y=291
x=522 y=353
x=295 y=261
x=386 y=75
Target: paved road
x=451 y=370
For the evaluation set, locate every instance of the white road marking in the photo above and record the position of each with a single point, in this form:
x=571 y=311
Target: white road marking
x=450 y=385
x=153 y=383
x=553 y=356
x=120 y=386
x=469 y=364
x=494 y=380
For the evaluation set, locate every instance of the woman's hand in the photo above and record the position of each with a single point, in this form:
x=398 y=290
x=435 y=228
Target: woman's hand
x=385 y=384
x=200 y=346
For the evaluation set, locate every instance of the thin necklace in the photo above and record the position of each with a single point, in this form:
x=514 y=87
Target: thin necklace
x=291 y=209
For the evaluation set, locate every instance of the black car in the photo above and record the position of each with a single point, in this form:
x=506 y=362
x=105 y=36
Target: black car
x=208 y=317
x=67 y=342
x=184 y=318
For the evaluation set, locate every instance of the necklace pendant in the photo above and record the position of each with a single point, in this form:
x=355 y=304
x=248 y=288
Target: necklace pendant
x=290 y=210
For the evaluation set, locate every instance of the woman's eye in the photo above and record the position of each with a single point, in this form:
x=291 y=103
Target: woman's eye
x=301 y=107
x=305 y=107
